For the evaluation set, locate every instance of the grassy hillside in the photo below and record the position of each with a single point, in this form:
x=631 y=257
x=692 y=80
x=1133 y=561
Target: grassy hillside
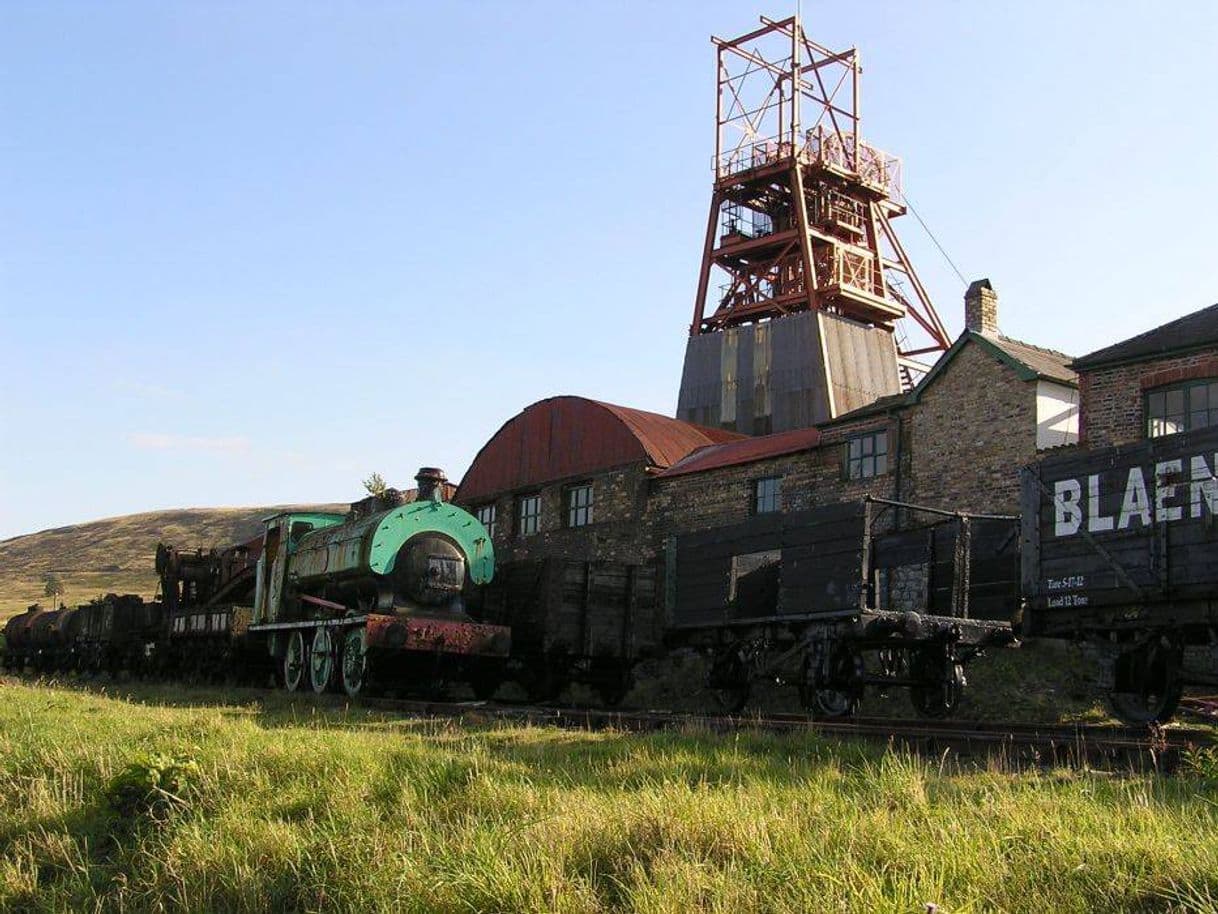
x=115 y=554
x=162 y=799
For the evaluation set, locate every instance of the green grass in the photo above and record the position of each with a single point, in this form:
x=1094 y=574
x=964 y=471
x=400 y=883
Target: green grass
x=280 y=806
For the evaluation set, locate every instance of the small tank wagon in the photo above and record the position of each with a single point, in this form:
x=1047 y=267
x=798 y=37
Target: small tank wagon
x=18 y=649
x=376 y=594
x=110 y=633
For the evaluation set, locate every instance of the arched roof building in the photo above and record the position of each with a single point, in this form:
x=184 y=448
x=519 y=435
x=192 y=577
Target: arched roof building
x=564 y=438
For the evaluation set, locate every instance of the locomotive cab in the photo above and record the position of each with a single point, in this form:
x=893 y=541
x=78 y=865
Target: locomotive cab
x=284 y=533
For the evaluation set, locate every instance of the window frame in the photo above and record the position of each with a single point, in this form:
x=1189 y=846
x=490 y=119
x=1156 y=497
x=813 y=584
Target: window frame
x=493 y=508
x=1188 y=407
x=775 y=497
x=522 y=517
x=571 y=511
x=849 y=459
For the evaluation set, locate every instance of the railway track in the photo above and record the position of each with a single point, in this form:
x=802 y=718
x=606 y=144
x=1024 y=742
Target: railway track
x=1078 y=744
x=1019 y=744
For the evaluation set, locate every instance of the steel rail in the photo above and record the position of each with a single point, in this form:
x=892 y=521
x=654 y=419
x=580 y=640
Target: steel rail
x=1026 y=742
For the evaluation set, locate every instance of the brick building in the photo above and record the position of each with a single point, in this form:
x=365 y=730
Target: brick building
x=1159 y=382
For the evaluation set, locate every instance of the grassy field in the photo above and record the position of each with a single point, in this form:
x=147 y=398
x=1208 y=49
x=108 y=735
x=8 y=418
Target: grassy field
x=159 y=799
x=114 y=555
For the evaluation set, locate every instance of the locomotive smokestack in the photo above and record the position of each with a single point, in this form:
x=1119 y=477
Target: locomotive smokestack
x=431 y=482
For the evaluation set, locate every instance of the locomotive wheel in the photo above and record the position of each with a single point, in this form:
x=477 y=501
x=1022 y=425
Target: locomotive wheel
x=295 y=659
x=942 y=684
x=1150 y=687
x=321 y=660
x=354 y=662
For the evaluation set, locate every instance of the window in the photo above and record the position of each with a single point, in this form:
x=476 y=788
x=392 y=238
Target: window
x=1181 y=408
x=753 y=586
x=867 y=455
x=486 y=517
x=528 y=515
x=579 y=505
x=767 y=495
x=298 y=529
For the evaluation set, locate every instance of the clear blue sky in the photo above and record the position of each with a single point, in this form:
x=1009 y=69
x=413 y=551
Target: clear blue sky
x=250 y=252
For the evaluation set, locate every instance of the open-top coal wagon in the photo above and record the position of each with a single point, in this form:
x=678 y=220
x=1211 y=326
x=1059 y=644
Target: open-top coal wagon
x=842 y=597
x=1120 y=553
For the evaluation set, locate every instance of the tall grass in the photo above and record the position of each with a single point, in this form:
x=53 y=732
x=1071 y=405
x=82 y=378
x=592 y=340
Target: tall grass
x=290 y=808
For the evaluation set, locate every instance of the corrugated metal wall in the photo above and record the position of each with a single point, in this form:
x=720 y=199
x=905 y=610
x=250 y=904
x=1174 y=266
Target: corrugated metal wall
x=862 y=362
x=770 y=377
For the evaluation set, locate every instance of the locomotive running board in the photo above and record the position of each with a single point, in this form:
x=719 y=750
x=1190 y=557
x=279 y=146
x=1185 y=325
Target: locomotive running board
x=307 y=623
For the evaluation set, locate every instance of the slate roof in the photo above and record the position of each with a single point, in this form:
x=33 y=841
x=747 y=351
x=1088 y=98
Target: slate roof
x=875 y=408
x=1028 y=361
x=1044 y=363
x=1193 y=331
x=746 y=450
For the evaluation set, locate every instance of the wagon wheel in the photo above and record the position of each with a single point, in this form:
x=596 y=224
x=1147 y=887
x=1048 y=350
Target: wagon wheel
x=355 y=662
x=840 y=701
x=941 y=684
x=544 y=683
x=1149 y=686
x=295 y=659
x=321 y=660
x=615 y=689
x=728 y=681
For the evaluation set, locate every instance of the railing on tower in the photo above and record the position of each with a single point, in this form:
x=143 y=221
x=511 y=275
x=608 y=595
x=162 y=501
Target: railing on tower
x=821 y=146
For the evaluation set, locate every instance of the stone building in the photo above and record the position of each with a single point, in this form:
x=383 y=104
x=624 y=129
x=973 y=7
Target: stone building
x=577 y=478
x=986 y=408
x=1159 y=382
x=956 y=441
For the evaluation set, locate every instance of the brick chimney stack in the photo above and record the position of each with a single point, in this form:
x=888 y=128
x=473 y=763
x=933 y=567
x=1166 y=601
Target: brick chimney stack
x=981 y=307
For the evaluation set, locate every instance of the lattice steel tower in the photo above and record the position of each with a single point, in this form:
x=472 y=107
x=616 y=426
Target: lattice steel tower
x=807 y=304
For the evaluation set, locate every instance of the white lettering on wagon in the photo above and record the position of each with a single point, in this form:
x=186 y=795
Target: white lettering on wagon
x=1070 y=582
x=1138 y=502
x=1066 y=600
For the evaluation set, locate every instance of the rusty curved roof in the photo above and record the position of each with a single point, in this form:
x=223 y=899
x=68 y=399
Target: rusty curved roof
x=747 y=450
x=564 y=437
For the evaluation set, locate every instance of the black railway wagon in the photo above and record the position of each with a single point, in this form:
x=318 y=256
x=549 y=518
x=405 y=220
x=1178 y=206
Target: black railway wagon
x=574 y=621
x=1120 y=552
x=838 y=598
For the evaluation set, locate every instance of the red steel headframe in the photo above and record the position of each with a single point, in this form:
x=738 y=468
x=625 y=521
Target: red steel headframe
x=801 y=208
